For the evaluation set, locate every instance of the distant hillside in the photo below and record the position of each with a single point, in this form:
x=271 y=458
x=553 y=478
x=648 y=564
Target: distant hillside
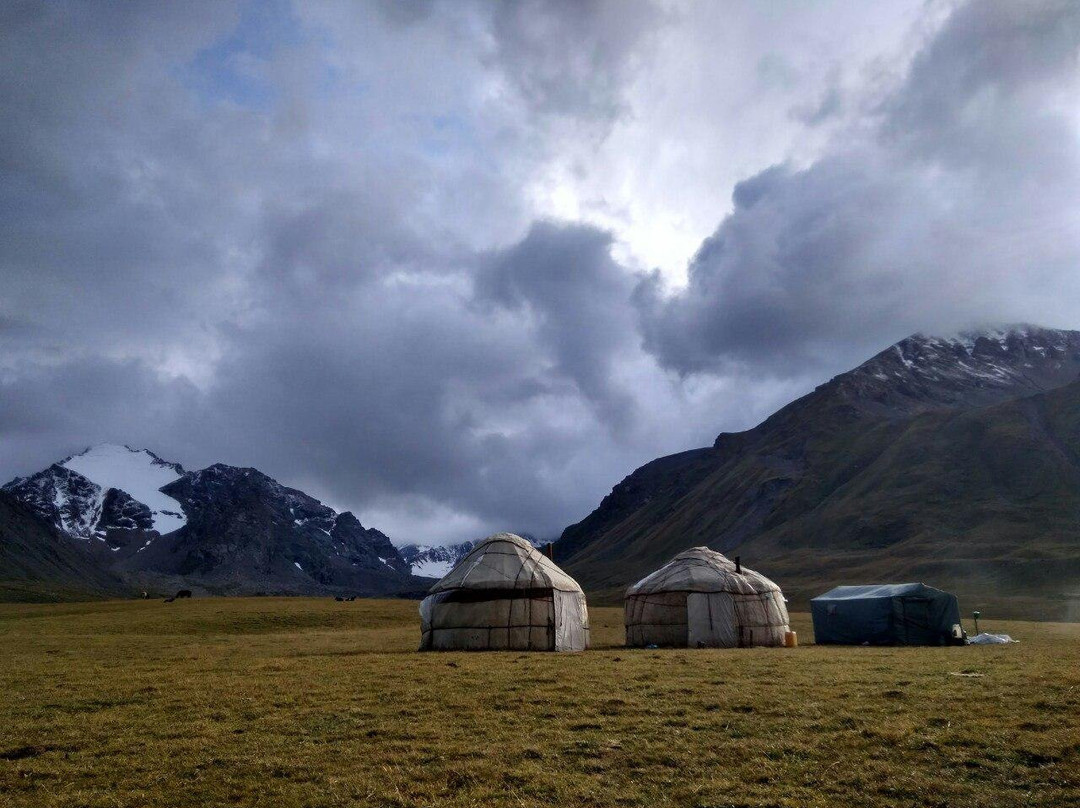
x=948 y=460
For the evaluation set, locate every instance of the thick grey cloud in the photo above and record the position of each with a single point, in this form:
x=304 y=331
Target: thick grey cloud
x=392 y=253
x=562 y=284
x=952 y=201
x=573 y=58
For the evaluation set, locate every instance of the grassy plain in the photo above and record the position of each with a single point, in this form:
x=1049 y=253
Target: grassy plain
x=305 y=702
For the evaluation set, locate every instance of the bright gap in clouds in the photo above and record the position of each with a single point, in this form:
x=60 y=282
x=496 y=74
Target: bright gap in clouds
x=721 y=92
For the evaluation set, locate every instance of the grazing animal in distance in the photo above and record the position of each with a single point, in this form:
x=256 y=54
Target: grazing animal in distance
x=339 y=599
x=169 y=600
x=183 y=593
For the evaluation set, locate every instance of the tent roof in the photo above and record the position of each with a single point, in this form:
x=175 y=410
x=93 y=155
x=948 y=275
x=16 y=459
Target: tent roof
x=700 y=569
x=868 y=591
x=506 y=561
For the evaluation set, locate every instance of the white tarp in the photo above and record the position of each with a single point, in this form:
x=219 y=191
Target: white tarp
x=990 y=639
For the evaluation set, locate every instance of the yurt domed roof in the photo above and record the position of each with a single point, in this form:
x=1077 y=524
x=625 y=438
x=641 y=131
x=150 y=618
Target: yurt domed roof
x=700 y=569
x=506 y=561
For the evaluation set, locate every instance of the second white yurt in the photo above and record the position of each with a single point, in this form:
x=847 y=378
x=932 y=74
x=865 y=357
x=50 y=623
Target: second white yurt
x=505 y=595
x=701 y=599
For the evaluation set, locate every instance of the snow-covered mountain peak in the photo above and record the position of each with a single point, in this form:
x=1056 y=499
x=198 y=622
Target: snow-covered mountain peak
x=138 y=473
x=243 y=531
x=104 y=489
x=1000 y=338
x=969 y=368
x=109 y=453
x=993 y=349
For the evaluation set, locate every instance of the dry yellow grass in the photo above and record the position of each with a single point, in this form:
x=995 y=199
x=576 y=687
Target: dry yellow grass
x=302 y=702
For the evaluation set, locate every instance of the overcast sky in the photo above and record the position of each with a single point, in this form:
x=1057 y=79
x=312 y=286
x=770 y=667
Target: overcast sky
x=461 y=267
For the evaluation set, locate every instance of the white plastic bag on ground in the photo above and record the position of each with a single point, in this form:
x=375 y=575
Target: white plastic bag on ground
x=990 y=639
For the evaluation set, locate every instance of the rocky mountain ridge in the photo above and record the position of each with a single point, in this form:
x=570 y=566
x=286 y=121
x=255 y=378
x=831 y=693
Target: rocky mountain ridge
x=225 y=529
x=970 y=369
x=103 y=488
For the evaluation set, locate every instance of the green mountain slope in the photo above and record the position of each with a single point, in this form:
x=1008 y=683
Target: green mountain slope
x=843 y=486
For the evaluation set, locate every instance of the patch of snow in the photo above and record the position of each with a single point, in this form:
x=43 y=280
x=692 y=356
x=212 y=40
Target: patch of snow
x=297 y=565
x=137 y=473
x=432 y=569
x=907 y=362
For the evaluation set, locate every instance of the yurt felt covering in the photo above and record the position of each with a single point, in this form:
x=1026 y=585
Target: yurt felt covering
x=698 y=599
x=505 y=595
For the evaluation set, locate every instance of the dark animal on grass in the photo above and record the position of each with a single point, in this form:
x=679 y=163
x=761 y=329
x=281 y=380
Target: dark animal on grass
x=169 y=600
x=339 y=599
x=183 y=593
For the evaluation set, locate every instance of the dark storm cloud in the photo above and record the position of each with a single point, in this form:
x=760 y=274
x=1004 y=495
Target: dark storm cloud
x=954 y=203
x=104 y=166
x=53 y=409
x=445 y=387
x=563 y=284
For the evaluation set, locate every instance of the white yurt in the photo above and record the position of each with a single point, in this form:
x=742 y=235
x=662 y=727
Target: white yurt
x=505 y=595
x=701 y=599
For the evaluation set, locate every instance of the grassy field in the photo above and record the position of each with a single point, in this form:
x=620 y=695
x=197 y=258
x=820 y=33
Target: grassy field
x=303 y=702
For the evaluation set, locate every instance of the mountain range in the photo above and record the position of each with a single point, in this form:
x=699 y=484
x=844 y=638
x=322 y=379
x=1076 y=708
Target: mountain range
x=131 y=519
x=950 y=460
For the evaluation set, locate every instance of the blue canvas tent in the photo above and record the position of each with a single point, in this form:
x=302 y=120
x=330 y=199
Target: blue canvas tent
x=885 y=614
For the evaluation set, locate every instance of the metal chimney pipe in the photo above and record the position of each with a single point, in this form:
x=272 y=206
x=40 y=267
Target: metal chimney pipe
x=738 y=566
x=550 y=550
